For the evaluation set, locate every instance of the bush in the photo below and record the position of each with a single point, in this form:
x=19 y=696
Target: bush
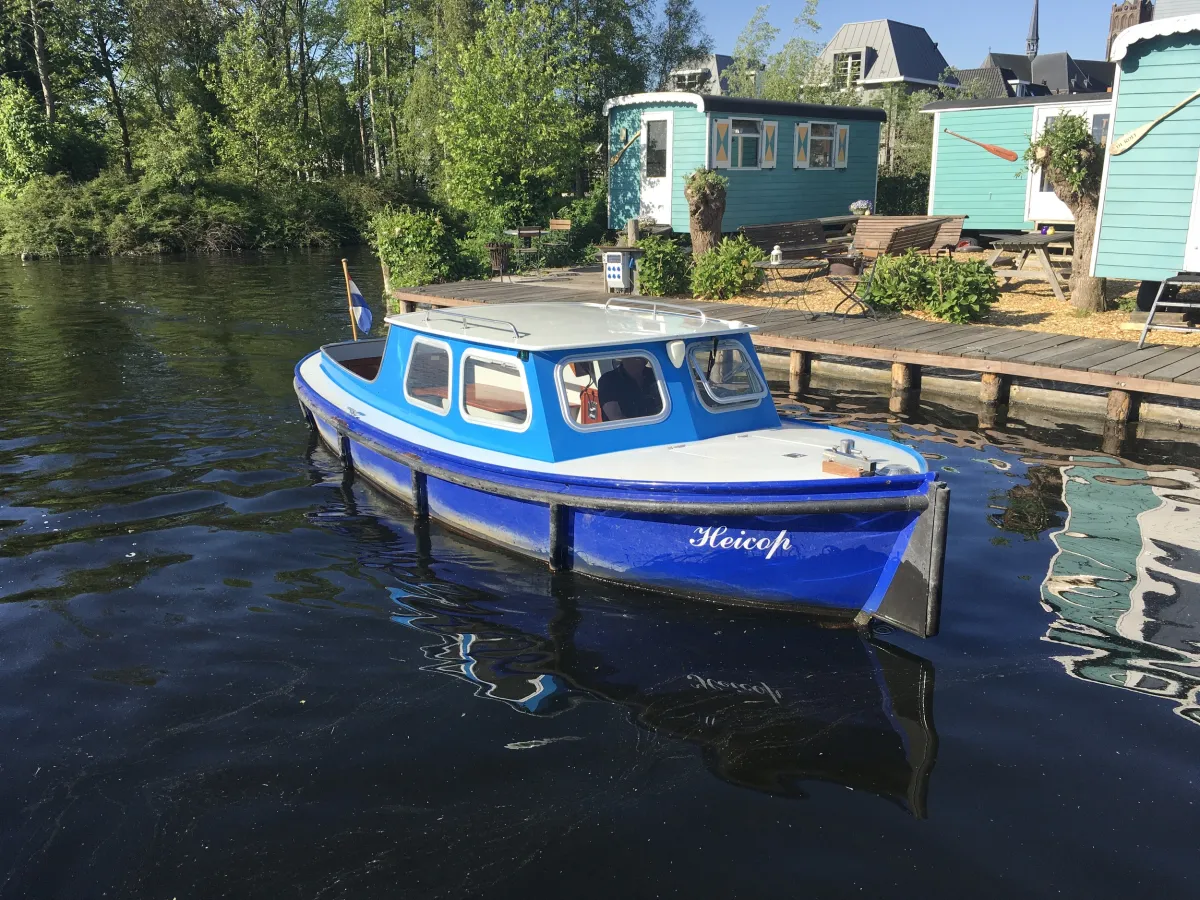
x=727 y=270
x=665 y=268
x=902 y=194
x=416 y=245
x=946 y=288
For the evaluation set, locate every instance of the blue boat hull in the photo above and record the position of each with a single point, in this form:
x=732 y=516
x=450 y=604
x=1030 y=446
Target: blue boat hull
x=868 y=556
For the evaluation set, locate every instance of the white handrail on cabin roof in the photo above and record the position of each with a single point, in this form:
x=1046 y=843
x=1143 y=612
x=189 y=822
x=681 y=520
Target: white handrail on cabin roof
x=466 y=320
x=655 y=306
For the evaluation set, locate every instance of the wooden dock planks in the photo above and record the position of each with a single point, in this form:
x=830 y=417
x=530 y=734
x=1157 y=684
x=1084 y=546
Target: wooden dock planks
x=1116 y=365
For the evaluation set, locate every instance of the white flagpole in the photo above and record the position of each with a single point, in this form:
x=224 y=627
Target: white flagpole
x=349 y=300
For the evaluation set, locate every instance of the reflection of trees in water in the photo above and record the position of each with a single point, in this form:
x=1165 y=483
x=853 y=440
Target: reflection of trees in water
x=1031 y=508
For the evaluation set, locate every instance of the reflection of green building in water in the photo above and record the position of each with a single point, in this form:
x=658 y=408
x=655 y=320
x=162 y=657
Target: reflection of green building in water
x=1125 y=581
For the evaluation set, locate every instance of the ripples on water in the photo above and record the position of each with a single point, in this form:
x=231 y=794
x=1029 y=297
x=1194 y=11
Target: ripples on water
x=226 y=673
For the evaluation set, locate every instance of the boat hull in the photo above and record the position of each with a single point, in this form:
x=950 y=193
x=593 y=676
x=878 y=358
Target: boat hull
x=838 y=555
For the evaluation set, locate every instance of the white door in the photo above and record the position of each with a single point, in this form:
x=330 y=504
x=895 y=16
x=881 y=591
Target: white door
x=1191 y=256
x=656 y=167
x=1041 y=205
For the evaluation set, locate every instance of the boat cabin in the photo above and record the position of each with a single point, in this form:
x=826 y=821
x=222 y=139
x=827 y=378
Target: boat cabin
x=784 y=161
x=558 y=381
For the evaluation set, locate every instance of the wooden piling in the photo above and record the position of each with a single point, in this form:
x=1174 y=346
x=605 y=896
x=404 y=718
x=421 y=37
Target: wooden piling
x=994 y=388
x=906 y=377
x=1122 y=406
x=799 y=371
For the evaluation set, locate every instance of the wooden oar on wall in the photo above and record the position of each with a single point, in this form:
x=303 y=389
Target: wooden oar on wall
x=1001 y=152
x=616 y=159
x=1129 y=138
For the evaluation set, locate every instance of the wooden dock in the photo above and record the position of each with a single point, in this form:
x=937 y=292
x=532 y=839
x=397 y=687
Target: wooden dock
x=998 y=354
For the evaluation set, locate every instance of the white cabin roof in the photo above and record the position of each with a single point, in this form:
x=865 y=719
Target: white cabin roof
x=1152 y=29
x=569 y=326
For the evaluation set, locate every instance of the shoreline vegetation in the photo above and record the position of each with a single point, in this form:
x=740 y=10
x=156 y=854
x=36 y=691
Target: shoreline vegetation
x=158 y=126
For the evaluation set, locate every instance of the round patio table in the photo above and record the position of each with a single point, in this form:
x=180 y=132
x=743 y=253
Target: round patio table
x=805 y=271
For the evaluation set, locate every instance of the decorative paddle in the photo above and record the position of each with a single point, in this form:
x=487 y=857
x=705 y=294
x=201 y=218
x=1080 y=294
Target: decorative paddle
x=1129 y=138
x=990 y=148
x=616 y=159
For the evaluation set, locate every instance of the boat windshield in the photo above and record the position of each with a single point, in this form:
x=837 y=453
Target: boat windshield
x=612 y=390
x=724 y=374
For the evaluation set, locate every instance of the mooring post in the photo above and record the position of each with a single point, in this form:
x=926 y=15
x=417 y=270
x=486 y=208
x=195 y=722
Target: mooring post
x=1115 y=436
x=1122 y=406
x=631 y=232
x=906 y=387
x=408 y=306
x=994 y=388
x=799 y=371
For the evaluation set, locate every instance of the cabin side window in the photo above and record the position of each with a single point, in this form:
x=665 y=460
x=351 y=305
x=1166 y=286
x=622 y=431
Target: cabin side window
x=725 y=375
x=821 y=141
x=612 y=391
x=427 y=377
x=494 y=391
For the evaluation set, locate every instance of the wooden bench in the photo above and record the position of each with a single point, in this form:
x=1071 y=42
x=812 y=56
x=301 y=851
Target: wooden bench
x=889 y=235
x=797 y=240
x=948 y=234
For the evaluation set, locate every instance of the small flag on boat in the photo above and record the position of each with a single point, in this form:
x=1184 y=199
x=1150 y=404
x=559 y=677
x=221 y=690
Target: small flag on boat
x=360 y=313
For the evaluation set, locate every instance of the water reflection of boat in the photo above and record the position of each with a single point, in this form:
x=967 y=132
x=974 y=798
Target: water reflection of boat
x=769 y=710
x=1125 y=581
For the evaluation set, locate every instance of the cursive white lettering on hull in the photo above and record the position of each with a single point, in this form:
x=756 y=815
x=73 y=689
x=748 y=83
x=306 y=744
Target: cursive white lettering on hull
x=718 y=538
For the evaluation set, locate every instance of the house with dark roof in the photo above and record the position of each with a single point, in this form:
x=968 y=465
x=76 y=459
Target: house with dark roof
x=705 y=75
x=873 y=55
x=1051 y=73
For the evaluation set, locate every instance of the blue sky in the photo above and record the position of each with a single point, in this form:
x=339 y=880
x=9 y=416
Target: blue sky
x=965 y=30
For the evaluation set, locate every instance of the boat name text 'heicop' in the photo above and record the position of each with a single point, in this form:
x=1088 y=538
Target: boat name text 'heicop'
x=719 y=540
x=710 y=684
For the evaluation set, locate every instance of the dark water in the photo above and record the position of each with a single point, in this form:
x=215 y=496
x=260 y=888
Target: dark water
x=226 y=673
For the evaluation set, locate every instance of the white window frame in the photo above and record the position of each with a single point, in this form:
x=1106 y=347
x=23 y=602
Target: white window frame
x=861 y=53
x=491 y=356
x=417 y=401
x=734 y=142
x=700 y=382
x=609 y=353
x=832 y=147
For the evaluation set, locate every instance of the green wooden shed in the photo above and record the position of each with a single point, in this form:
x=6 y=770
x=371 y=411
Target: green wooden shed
x=1149 y=222
x=784 y=161
x=995 y=194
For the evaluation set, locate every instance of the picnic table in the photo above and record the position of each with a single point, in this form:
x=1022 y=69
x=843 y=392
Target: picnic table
x=1025 y=245
x=805 y=271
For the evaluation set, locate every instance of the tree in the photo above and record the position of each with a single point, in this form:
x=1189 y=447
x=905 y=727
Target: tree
x=511 y=135
x=678 y=37
x=26 y=137
x=1073 y=161
x=705 y=191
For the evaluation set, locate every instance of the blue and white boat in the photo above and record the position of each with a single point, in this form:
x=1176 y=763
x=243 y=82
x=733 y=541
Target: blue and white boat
x=635 y=442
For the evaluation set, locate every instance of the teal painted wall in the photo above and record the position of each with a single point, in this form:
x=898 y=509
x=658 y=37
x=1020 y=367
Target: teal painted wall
x=624 y=179
x=972 y=182
x=785 y=194
x=1148 y=196
x=756 y=196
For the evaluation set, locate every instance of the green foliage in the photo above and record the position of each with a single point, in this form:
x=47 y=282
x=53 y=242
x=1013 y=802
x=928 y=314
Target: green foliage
x=666 y=267
x=727 y=270
x=1127 y=303
x=509 y=132
x=114 y=214
x=949 y=289
x=705 y=181
x=26 y=138
x=902 y=195
x=415 y=244
x=1071 y=158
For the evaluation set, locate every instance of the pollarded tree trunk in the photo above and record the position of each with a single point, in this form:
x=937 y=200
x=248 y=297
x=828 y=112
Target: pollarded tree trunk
x=1087 y=291
x=706 y=209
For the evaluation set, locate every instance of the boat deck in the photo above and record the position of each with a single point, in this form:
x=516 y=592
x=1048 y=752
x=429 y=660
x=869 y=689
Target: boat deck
x=999 y=352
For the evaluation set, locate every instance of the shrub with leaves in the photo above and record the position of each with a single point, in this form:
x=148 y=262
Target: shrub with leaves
x=949 y=289
x=665 y=269
x=728 y=270
x=416 y=245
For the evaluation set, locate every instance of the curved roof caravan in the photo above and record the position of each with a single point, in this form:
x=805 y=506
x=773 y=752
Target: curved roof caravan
x=1149 y=222
x=995 y=194
x=784 y=161
x=634 y=442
